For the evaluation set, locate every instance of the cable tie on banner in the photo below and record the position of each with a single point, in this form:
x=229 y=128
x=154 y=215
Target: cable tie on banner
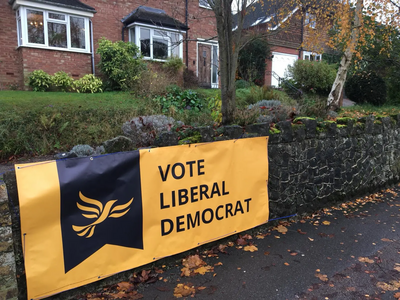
x=218 y=237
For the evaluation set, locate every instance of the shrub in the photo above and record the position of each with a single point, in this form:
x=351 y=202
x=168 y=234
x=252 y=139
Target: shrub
x=173 y=65
x=62 y=81
x=88 y=84
x=251 y=61
x=214 y=104
x=242 y=84
x=272 y=111
x=190 y=80
x=40 y=81
x=121 y=63
x=254 y=94
x=366 y=87
x=177 y=100
x=313 y=105
x=311 y=76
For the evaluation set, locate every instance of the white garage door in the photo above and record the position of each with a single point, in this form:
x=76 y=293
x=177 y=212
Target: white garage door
x=280 y=62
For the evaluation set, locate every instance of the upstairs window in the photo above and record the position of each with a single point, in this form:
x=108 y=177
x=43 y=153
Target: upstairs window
x=310 y=20
x=53 y=30
x=157 y=43
x=307 y=55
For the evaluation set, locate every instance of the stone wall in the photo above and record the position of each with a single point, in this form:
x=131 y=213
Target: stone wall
x=311 y=166
x=8 y=285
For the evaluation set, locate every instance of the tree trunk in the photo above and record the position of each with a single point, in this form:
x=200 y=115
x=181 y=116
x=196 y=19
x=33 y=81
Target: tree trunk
x=337 y=87
x=229 y=45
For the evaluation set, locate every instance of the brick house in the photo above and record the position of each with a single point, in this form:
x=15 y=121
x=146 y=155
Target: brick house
x=63 y=35
x=285 y=41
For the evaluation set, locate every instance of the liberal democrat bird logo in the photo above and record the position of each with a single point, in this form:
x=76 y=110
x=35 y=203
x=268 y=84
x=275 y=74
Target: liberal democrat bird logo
x=99 y=213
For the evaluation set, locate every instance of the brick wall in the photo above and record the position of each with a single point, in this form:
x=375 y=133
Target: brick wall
x=15 y=63
x=10 y=60
x=52 y=61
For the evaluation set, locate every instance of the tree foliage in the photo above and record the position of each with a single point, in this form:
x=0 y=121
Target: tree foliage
x=251 y=65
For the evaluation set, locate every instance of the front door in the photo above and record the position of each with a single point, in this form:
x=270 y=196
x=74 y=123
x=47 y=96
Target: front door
x=204 y=61
x=280 y=63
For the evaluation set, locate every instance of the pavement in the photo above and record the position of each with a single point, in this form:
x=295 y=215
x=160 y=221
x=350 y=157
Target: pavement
x=351 y=251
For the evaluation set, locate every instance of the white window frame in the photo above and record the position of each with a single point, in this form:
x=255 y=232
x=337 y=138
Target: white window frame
x=214 y=85
x=310 y=20
x=135 y=27
x=22 y=15
x=317 y=57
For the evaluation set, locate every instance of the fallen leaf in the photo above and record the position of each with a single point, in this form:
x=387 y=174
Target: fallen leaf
x=286 y=264
x=293 y=253
x=351 y=289
x=200 y=288
x=312 y=240
x=397 y=268
x=397 y=295
x=183 y=290
x=277 y=236
x=326 y=223
x=282 y=229
x=250 y=248
x=386 y=240
x=203 y=270
x=241 y=242
x=124 y=286
x=321 y=276
x=391 y=286
x=266 y=253
x=259 y=237
x=218 y=264
x=301 y=232
x=366 y=259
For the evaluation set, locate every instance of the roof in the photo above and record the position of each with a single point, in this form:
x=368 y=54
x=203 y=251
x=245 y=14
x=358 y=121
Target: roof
x=266 y=12
x=153 y=16
x=74 y=4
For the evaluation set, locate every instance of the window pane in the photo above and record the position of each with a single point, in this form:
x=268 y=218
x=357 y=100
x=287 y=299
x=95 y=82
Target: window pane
x=19 y=32
x=215 y=65
x=175 y=44
x=161 y=33
x=77 y=32
x=132 y=35
x=35 y=27
x=57 y=35
x=57 y=16
x=160 y=48
x=145 y=42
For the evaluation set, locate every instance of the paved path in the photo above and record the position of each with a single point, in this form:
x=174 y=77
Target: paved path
x=353 y=256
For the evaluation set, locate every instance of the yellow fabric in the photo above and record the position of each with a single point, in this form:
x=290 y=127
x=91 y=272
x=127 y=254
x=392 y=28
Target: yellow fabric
x=225 y=175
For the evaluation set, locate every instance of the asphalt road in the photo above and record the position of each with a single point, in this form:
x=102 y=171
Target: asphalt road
x=349 y=252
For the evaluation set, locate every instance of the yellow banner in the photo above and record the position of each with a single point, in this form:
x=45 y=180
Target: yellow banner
x=84 y=219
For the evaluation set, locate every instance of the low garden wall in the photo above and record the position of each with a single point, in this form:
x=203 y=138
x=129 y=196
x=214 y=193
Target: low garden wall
x=311 y=165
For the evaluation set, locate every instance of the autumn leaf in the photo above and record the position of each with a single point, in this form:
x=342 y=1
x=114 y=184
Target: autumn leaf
x=301 y=232
x=200 y=288
x=241 y=242
x=386 y=240
x=397 y=295
x=282 y=229
x=312 y=240
x=321 y=277
x=366 y=259
x=397 y=267
x=203 y=270
x=259 y=237
x=124 y=286
x=391 y=286
x=250 y=248
x=326 y=223
x=183 y=290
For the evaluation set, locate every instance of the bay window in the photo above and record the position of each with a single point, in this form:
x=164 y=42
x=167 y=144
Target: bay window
x=51 y=29
x=156 y=43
